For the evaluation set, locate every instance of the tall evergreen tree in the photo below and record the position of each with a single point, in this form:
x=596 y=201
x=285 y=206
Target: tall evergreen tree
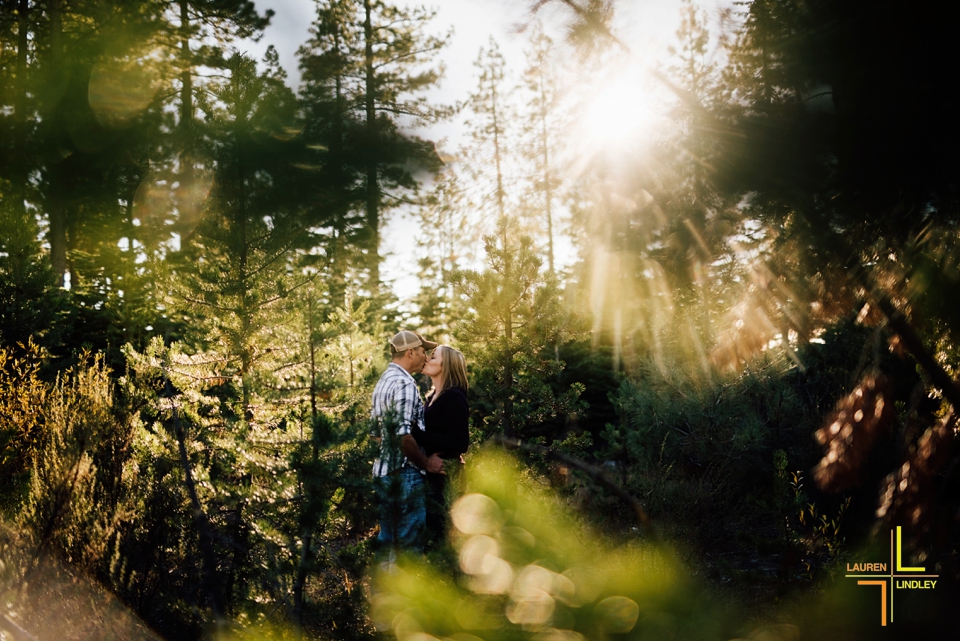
x=234 y=285
x=491 y=150
x=517 y=315
x=330 y=63
x=236 y=278
x=204 y=29
x=366 y=69
x=90 y=79
x=19 y=161
x=543 y=124
x=96 y=128
x=444 y=245
x=27 y=303
x=339 y=363
x=398 y=67
x=103 y=128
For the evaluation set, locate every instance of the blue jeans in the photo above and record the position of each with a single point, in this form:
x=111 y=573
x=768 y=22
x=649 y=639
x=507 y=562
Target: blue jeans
x=403 y=512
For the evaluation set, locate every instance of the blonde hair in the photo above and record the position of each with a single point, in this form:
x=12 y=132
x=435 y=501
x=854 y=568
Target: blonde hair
x=453 y=372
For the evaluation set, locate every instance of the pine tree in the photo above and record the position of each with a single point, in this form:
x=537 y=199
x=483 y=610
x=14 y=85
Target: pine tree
x=103 y=129
x=95 y=127
x=690 y=63
x=445 y=244
x=87 y=87
x=203 y=22
x=396 y=72
x=340 y=361
x=28 y=304
x=238 y=282
x=186 y=491
x=760 y=69
x=20 y=228
x=236 y=279
x=516 y=318
x=330 y=63
x=365 y=72
x=543 y=124
x=490 y=153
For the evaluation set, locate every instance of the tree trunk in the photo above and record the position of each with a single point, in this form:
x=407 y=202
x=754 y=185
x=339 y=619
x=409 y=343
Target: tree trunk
x=547 y=187
x=373 y=186
x=186 y=128
x=18 y=243
x=300 y=581
x=508 y=428
x=200 y=521
x=246 y=307
x=56 y=203
x=501 y=207
x=58 y=226
x=338 y=261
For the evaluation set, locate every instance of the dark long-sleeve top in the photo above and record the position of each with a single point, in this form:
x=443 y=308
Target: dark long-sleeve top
x=445 y=428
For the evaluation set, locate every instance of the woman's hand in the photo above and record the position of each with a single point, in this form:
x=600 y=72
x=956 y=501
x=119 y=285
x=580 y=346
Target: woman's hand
x=435 y=464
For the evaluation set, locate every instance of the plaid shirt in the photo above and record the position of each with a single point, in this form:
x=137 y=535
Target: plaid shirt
x=395 y=397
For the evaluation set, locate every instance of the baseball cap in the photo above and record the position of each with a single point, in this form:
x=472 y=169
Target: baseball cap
x=408 y=340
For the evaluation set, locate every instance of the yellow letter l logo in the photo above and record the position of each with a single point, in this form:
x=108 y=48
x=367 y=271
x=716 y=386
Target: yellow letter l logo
x=900 y=567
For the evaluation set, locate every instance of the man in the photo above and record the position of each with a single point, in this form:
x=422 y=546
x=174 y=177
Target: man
x=398 y=471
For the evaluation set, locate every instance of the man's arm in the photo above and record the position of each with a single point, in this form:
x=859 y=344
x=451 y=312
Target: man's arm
x=410 y=449
x=403 y=397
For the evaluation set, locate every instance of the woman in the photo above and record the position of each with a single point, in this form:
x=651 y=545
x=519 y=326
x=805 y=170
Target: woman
x=445 y=431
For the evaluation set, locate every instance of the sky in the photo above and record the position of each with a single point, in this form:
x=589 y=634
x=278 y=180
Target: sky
x=646 y=26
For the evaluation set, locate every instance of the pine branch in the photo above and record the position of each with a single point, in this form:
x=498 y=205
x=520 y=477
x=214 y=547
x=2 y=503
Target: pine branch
x=197 y=301
x=595 y=473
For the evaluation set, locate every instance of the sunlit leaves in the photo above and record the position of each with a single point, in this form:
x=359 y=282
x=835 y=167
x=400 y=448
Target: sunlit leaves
x=22 y=393
x=80 y=478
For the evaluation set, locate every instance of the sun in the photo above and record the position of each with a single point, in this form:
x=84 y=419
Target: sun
x=619 y=107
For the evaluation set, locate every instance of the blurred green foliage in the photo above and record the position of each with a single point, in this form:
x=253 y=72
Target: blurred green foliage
x=530 y=569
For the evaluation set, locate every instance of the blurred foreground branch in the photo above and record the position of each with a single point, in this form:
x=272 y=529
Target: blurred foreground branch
x=16 y=632
x=901 y=325
x=595 y=473
x=914 y=345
